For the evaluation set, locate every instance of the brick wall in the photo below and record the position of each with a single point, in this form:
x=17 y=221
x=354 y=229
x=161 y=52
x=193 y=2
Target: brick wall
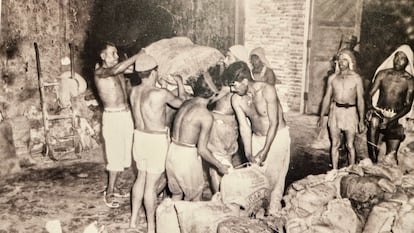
x=278 y=27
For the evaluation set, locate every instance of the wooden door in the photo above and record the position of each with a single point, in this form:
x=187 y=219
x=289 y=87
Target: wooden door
x=330 y=20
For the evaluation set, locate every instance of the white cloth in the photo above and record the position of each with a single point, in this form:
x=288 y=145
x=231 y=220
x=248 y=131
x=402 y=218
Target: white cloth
x=276 y=165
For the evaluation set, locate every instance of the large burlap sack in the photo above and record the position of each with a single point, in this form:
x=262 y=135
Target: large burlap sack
x=337 y=218
x=178 y=55
x=382 y=217
x=393 y=173
x=404 y=223
x=166 y=217
x=361 y=189
x=247 y=187
x=312 y=199
x=203 y=216
x=243 y=224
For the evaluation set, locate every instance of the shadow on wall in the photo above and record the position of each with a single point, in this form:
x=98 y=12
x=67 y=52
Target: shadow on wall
x=129 y=24
x=385 y=26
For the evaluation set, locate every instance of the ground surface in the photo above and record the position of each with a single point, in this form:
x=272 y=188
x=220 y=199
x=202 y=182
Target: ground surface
x=71 y=191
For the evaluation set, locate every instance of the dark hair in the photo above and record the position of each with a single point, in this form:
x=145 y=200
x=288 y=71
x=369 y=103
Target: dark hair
x=237 y=71
x=103 y=45
x=200 y=87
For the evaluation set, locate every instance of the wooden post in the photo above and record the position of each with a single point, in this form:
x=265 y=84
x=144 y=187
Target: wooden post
x=305 y=57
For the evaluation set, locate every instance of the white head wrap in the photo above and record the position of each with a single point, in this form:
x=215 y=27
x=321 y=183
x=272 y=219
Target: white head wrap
x=261 y=54
x=348 y=55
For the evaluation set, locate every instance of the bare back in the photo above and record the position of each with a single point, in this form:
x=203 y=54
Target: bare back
x=111 y=90
x=149 y=106
x=344 y=87
x=256 y=109
x=395 y=87
x=189 y=121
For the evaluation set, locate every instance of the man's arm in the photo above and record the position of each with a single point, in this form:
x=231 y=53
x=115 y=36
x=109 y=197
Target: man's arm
x=244 y=127
x=326 y=100
x=203 y=151
x=360 y=102
x=117 y=69
x=172 y=100
x=270 y=96
x=180 y=86
x=375 y=87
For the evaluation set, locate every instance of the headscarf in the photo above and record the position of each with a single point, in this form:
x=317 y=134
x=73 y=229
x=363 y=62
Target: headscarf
x=350 y=57
x=259 y=51
x=389 y=64
x=240 y=52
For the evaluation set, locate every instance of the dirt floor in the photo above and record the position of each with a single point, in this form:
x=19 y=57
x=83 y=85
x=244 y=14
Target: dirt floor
x=71 y=191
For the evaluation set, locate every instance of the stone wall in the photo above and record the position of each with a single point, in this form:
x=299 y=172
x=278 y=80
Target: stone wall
x=205 y=22
x=278 y=27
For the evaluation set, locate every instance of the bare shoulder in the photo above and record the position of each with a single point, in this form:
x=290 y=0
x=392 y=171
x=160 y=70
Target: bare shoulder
x=236 y=99
x=408 y=76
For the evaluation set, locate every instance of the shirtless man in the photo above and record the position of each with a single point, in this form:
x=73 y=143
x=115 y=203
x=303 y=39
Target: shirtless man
x=395 y=87
x=117 y=125
x=223 y=142
x=151 y=136
x=344 y=99
x=261 y=70
x=192 y=126
x=263 y=129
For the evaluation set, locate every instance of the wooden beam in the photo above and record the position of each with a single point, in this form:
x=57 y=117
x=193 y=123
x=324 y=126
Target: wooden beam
x=305 y=57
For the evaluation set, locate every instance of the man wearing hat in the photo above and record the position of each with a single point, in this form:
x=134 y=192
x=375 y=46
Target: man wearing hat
x=344 y=100
x=391 y=99
x=117 y=125
x=151 y=135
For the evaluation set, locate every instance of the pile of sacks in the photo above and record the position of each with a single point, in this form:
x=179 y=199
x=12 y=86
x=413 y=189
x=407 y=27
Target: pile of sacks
x=243 y=192
x=368 y=198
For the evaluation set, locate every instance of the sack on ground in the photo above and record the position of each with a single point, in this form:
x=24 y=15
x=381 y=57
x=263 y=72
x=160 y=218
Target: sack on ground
x=166 y=217
x=247 y=187
x=243 y=224
x=203 y=216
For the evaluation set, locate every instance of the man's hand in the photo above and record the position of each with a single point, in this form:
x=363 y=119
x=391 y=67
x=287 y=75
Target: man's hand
x=177 y=78
x=223 y=169
x=260 y=157
x=384 y=123
x=251 y=158
x=320 y=123
x=361 y=126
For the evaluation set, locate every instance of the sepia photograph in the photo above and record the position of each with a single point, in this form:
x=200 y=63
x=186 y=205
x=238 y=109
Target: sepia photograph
x=206 y=116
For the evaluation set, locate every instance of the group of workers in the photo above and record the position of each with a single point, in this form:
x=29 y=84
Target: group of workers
x=239 y=102
x=205 y=126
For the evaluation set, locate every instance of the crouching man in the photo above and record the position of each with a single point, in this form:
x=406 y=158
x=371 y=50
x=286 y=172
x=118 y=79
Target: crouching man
x=191 y=130
x=263 y=129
